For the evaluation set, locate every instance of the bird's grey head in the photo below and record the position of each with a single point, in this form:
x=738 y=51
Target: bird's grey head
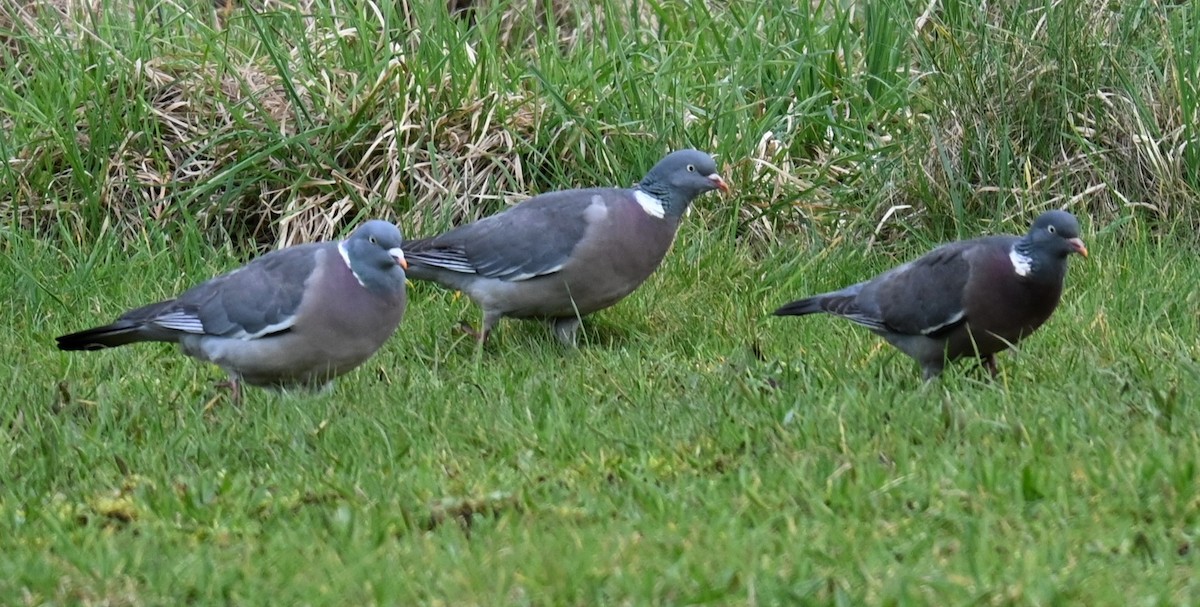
x=680 y=177
x=374 y=255
x=1055 y=234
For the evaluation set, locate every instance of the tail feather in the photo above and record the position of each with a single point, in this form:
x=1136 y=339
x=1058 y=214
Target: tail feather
x=416 y=244
x=429 y=261
x=109 y=336
x=844 y=303
x=800 y=307
x=133 y=326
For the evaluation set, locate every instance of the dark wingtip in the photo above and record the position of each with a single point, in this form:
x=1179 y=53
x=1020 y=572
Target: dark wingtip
x=98 y=338
x=796 y=308
x=76 y=341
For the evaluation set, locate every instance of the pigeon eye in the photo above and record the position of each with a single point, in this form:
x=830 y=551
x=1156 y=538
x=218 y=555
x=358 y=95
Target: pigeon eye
x=691 y=168
x=1051 y=229
x=373 y=241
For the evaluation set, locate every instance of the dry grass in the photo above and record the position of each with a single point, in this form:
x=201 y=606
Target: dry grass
x=202 y=111
x=1018 y=120
x=284 y=121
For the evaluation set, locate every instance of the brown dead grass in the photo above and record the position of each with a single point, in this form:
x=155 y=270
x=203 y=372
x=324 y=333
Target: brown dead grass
x=459 y=160
x=1125 y=147
x=233 y=147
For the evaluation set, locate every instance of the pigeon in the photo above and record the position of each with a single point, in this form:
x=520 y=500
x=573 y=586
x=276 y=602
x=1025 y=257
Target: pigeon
x=972 y=298
x=563 y=255
x=293 y=318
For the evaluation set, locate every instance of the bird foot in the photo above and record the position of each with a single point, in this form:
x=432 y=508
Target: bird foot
x=480 y=336
x=989 y=363
x=566 y=330
x=235 y=389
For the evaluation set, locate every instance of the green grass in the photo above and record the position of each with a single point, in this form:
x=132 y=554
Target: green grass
x=694 y=450
x=288 y=124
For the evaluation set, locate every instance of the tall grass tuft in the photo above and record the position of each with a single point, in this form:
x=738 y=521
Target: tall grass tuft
x=284 y=121
x=1051 y=105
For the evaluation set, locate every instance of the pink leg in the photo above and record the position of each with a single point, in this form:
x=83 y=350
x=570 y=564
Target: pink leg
x=480 y=336
x=989 y=363
x=235 y=389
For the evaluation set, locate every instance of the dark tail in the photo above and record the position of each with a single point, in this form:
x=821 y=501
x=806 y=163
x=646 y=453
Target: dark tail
x=428 y=261
x=131 y=327
x=414 y=251
x=109 y=336
x=416 y=244
x=800 y=307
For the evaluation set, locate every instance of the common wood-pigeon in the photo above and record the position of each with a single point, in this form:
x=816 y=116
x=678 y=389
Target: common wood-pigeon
x=968 y=298
x=562 y=255
x=296 y=317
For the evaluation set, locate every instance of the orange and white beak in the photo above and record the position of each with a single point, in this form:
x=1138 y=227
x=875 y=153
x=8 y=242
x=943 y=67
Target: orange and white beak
x=719 y=183
x=398 y=256
x=1078 y=246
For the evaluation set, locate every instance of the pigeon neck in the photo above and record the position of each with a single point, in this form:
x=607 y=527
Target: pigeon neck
x=1032 y=264
x=671 y=206
x=374 y=279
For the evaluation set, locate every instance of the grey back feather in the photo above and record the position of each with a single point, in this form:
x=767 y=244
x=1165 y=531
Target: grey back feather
x=263 y=294
x=531 y=239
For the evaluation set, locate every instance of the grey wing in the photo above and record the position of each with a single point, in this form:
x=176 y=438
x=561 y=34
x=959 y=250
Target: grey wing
x=532 y=239
x=258 y=299
x=849 y=304
x=925 y=296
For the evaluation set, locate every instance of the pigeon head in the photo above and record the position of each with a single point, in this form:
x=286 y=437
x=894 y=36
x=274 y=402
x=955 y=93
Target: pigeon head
x=680 y=177
x=1041 y=255
x=1056 y=234
x=374 y=255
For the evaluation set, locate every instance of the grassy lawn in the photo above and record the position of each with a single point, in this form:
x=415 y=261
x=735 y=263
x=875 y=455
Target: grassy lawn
x=693 y=450
x=696 y=450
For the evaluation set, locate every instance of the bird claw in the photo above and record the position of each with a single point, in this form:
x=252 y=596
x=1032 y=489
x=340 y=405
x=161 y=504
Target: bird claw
x=465 y=327
x=989 y=363
x=566 y=330
x=235 y=390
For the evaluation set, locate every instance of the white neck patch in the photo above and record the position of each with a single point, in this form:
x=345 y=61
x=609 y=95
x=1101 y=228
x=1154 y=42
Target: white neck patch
x=651 y=205
x=1022 y=265
x=346 y=258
